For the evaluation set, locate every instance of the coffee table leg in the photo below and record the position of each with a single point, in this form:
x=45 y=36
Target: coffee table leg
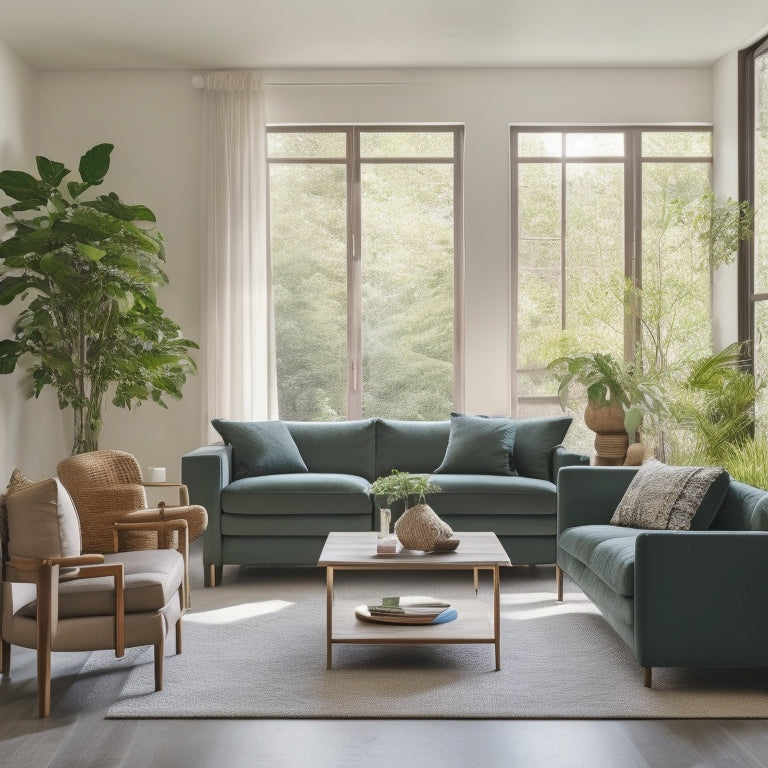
x=497 y=616
x=328 y=617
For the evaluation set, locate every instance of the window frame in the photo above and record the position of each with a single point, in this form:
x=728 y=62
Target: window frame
x=633 y=161
x=353 y=163
x=746 y=163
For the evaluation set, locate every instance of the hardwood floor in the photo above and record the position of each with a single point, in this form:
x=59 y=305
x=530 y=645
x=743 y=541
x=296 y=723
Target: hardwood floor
x=76 y=734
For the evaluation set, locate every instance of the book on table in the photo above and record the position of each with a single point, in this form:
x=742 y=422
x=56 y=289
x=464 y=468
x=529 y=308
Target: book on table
x=412 y=609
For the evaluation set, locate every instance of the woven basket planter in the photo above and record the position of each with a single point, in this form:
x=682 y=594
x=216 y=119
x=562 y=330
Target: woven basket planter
x=604 y=418
x=420 y=528
x=611 y=439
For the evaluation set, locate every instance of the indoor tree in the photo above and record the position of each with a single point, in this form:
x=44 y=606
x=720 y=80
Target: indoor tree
x=87 y=271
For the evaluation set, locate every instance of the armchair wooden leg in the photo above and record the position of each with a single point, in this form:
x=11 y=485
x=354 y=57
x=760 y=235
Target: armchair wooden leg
x=5 y=661
x=45 y=610
x=559 y=582
x=178 y=636
x=647 y=676
x=159 y=655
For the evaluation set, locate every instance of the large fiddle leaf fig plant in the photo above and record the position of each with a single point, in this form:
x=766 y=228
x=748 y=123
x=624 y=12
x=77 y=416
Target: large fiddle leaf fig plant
x=87 y=271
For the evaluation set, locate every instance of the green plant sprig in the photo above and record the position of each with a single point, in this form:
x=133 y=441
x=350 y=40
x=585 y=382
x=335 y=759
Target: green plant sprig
x=399 y=485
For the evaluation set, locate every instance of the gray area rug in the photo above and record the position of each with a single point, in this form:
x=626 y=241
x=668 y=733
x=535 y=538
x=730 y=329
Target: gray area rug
x=256 y=649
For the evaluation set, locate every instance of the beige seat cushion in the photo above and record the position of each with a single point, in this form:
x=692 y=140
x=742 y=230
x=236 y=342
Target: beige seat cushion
x=152 y=577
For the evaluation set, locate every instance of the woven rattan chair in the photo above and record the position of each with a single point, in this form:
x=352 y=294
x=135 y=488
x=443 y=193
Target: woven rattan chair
x=107 y=487
x=56 y=599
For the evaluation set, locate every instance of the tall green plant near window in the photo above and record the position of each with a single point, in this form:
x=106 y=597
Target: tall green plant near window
x=719 y=410
x=88 y=271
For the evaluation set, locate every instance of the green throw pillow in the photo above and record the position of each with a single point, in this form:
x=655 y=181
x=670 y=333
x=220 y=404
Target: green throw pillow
x=260 y=448
x=535 y=440
x=478 y=445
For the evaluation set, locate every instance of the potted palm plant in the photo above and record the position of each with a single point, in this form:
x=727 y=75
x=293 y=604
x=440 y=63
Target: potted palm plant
x=87 y=272
x=618 y=398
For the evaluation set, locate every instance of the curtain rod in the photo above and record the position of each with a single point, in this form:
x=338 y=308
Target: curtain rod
x=198 y=82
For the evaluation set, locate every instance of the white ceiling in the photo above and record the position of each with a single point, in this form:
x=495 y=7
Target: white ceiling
x=277 y=34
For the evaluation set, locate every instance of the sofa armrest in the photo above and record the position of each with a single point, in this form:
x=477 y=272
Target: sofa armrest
x=699 y=598
x=206 y=471
x=590 y=495
x=562 y=457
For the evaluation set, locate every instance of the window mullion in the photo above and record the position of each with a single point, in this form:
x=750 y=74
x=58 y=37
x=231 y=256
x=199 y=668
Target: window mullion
x=354 y=279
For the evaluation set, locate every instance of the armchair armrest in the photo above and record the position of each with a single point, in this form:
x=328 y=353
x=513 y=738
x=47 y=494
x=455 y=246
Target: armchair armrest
x=48 y=595
x=155 y=520
x=699 y=598
x=590 y=495
x=182 y=490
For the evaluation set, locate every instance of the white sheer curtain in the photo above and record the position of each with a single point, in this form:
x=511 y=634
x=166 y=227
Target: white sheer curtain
x=239 y=377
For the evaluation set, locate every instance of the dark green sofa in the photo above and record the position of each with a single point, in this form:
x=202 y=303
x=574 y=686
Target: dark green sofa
x=677 y=598
x=283 y=519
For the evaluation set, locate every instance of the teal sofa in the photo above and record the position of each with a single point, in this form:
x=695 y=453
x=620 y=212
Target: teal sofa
x=283 y=518
x=677 y=598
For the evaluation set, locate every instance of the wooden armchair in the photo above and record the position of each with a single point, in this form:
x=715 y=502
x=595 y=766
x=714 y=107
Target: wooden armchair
x=55 y=599
x=107 y=487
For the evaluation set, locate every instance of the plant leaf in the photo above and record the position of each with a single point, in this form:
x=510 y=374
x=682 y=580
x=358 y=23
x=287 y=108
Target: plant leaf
x=22 y=186
x=91 y=252
x=94 y=164
x=11 y=287
x=51 y=171
x=76 y=188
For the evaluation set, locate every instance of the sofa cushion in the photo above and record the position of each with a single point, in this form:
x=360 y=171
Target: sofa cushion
x=341 y=447
x=315 y=493
x=410 y=446
x=260 y=447
x=478 y=445
x=607 y=550
x=535 y=440
x=662 y=497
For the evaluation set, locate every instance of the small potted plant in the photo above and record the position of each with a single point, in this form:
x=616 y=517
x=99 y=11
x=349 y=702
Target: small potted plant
x=418 y=527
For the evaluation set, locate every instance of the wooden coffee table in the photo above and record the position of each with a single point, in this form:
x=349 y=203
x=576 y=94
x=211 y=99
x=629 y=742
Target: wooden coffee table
x=356 y=551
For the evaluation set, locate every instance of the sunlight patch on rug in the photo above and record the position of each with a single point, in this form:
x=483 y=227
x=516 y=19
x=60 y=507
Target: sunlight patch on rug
x=538 y=605
x=234 y=613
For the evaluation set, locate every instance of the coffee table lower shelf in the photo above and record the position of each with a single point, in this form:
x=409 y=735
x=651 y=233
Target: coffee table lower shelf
x=472 y=625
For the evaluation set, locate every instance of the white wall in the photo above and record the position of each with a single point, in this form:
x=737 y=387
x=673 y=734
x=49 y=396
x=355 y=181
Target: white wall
x=153 y=118
x=25 y=424
x=725 y=182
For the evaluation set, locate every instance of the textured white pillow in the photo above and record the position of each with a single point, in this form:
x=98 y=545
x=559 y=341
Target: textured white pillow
x=43 y=521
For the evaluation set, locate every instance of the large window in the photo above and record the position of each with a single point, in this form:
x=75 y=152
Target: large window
x=366 y=257
x=596 y=215
x=753 y=154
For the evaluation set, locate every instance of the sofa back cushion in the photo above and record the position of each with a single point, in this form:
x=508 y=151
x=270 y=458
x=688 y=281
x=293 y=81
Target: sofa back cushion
x=478 y=445
x=410 y=446
x=260 y=448
x=535 y=442
x=744 y=508
x=343 y=447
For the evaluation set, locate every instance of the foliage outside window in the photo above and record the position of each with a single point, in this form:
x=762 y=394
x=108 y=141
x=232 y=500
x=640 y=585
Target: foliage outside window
x=606 y=252
x=365 y=248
